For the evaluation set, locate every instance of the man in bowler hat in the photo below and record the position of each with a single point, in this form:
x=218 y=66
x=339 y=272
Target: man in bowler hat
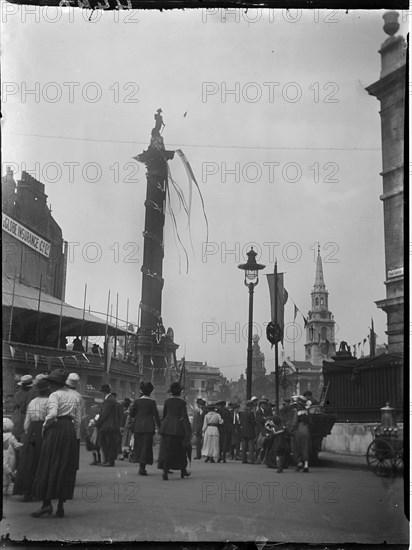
x=108 y=426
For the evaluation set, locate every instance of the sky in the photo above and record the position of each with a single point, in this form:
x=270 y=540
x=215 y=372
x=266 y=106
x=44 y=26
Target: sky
x=270 y=109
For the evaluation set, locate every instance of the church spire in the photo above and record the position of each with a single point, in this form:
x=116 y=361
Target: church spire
x=320 y=328
x=319 y=281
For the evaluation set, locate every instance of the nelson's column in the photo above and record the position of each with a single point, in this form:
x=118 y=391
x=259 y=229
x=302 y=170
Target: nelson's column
x=155 y=348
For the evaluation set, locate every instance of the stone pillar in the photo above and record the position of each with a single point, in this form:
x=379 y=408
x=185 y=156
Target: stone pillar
x=155 y=349
x=390 y=91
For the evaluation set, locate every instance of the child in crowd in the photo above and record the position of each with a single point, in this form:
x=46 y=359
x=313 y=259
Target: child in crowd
x=10 y=445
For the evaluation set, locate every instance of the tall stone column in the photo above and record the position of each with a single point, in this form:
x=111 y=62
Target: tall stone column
x=156 y=348
x=390 y=91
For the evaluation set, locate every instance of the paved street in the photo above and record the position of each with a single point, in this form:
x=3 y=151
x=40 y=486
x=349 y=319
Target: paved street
x=230 y=501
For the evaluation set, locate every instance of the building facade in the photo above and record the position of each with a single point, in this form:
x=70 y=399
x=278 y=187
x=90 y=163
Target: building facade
x=36 y=320
x=201 y=380
x=390 y=91
x=320 y=327
x=33 y=247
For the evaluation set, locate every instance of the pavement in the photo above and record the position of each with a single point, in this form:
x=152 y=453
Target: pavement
x=338 y=501
x=339 y=460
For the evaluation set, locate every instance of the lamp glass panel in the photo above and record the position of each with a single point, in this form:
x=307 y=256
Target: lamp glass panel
x=251 y=275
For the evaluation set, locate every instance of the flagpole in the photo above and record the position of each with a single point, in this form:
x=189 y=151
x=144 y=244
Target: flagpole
x=106 y=331
x=38 y=312
x=276 y=344
x=127 y=328
x=12 y=304
x=115 y=333
x=84 y=312
x=60 y=324
x=87 y=338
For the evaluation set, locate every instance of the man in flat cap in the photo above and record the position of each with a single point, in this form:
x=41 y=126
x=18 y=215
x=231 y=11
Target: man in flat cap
x=197 y=425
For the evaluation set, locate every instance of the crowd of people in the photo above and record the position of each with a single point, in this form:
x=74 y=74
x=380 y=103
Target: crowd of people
x=41 y=442
x=256 y=433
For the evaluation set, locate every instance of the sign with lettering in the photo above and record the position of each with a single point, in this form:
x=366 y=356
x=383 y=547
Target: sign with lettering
x=26 y=236
x=395 y=272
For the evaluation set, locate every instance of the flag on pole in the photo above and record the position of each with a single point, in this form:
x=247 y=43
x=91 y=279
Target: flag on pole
x=295 y=312
x=277 y=289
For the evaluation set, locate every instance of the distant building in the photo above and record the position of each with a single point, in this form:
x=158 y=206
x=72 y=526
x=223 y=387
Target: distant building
x=390 y=91
x=300 y=376
x=320 y=327
x=258 y=359
x=201 y=380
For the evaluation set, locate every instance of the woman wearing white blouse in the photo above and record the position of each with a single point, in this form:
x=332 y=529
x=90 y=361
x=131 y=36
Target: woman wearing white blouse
x=56 y=474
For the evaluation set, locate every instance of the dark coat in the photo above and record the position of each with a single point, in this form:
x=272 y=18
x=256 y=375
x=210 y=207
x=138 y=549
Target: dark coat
x=175 y=420
x=260 y=420
x=21 y=400
x=109 y=419
x=198 y=419
x=144 y=415
x=248 y=424
x=227 y=420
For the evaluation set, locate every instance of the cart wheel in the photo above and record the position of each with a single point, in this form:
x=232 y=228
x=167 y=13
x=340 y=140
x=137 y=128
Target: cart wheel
x=397 y=460
x=380 y=457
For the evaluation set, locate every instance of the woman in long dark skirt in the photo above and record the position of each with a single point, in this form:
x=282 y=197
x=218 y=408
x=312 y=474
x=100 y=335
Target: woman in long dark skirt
x=56 y=474
x=301 y=438
x=145 y=417
x=275 y=444
x=32 y=442
x=175 y=431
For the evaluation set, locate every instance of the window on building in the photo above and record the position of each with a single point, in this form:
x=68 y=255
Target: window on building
x=203 y=386
x=192 y=384
x=323 y=333
x=316 y=301
x=321 y=301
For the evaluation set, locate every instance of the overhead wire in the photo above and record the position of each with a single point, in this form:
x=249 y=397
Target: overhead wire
x=220 y=146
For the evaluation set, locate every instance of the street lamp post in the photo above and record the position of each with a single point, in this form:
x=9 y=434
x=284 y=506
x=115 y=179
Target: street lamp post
x=251 y=269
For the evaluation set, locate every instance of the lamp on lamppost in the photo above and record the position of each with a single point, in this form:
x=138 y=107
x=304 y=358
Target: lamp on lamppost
x=251 y=269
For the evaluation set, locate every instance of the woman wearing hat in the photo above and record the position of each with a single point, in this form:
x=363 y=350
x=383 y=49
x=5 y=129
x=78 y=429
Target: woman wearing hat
x=301 y=440
x=56 y=474
x=175 y=430
x=33 y=441
x=211 y=433
x=144 y=416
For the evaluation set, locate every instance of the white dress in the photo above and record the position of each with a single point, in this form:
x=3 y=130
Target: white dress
x=211 y=435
